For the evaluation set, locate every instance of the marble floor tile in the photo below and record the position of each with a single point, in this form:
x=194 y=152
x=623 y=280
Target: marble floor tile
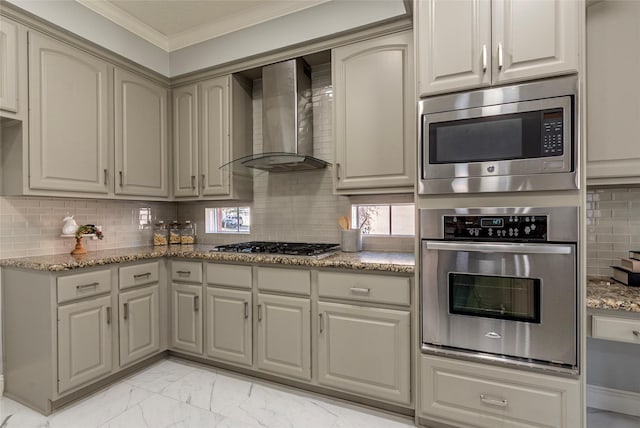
x=604 y=419
x=176 y=394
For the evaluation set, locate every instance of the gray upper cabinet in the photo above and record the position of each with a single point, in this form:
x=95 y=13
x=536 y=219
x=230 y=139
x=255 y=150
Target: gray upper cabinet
x=613 y=113
x=473 y=43
x=212 y=125
x=9 y=51
x=141 y=149
x=68 y=120
x=374 y=115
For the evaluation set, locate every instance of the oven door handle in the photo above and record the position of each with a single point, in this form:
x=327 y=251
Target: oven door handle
x=500 y=248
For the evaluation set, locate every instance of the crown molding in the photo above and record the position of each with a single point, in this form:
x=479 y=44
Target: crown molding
x=128 y=22
x=238 y=21
x=201 y=33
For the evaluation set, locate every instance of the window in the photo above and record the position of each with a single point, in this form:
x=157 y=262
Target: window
x=384 y=219
x=228 y=220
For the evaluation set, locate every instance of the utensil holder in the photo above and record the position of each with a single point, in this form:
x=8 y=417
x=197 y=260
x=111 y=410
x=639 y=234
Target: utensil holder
x=351 y=240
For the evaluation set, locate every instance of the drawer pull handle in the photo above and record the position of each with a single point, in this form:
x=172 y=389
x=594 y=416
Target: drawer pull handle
x=246 y=310
x=321 y=322
x=636 y=333
x=196 y=303
x=142 y=275
x=82 y=287
x=259 y=312
x=493 y=401
x=183 y=272
x=108 y=314
x=126 y=311
x=360 y=290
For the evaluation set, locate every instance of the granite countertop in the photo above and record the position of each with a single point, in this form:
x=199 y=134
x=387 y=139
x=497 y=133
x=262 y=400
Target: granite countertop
x=363 y=261
x=605 y=293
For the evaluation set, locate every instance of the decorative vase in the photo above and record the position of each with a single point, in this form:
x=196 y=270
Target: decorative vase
x=79 y=249
x=70 y=226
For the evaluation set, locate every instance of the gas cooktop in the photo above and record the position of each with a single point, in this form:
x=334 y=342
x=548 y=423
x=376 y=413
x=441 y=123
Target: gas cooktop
x=290 y=248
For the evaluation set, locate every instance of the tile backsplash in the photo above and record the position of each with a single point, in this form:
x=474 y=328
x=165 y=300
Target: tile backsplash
x=32 y=226
x=613 y=227
x=295 y=206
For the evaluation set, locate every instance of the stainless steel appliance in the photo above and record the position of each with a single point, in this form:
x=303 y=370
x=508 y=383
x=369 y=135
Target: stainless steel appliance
x=289 y=248
x=512 y=138
x=500 y=284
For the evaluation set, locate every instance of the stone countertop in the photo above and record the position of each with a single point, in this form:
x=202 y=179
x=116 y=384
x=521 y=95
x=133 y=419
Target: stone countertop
x=605 y=293
x=364 y=261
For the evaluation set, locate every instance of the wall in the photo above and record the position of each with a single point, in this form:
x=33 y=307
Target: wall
x=82 y=21
x=297 y=206
x=314 y=23
x=613 y=227
x=32 y=226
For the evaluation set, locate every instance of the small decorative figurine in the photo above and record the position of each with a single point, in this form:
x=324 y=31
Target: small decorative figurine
x=70 y=226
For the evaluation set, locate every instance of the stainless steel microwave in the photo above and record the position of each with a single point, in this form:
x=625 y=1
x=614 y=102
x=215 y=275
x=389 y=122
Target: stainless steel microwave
x=506 y=139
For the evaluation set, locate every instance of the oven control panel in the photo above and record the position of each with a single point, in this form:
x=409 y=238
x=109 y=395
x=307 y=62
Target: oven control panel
x=520 y=228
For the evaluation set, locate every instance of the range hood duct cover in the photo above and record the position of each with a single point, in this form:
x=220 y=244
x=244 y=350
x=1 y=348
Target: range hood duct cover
x=287 y=119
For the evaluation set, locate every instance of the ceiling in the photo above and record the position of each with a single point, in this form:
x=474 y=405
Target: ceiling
x=175 y=24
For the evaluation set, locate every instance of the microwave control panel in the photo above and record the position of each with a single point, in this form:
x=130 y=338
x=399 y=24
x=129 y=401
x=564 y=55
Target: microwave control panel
x=516 y=228
x=552 y=140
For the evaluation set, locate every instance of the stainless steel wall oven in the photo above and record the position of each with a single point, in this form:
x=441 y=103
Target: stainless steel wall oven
x=501 y=284
x=503 y=139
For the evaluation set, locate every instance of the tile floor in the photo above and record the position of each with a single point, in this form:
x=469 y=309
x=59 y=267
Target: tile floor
x=176 y=394
x=173 y=393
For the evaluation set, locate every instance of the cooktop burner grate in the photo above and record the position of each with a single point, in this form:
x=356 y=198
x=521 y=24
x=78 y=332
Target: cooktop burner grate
x=290 y=248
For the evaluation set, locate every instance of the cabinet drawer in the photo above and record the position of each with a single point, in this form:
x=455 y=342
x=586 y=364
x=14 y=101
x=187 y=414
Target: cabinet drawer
x=480 y=395
x=131 y=276
x=284 y=280
x=610 y=328
x=186 y=271
x=365 y=287
x=83 y=285
x=231 y=275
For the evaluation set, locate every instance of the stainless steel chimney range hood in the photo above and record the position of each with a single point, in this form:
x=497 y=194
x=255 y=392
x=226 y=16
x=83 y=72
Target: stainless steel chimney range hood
x=287 y=120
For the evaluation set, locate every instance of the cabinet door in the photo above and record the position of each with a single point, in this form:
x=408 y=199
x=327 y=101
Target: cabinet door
x=284 y=329
x=84 y=342
x=214 y=136
x=186 y=324
x=613 y=113
x=68 y=126
x=185 y=141
x=228 y=325
x=534 y=39
x=365 y=351
x=374 y=114
x=8 y=65
x=139 y=323
x=140 y=136
x=454 y=45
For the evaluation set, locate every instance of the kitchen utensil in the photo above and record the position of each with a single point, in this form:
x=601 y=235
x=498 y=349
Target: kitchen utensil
x=344 y=222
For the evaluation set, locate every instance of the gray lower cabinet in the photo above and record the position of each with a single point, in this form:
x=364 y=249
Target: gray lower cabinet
x=139 y=323
x=186 y=317
x=365 y=350
x=228 y=327
x=284 y=335
x=85 y=332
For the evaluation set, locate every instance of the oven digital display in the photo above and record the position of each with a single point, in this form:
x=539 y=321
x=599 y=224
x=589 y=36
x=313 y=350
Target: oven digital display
x=492 y=222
